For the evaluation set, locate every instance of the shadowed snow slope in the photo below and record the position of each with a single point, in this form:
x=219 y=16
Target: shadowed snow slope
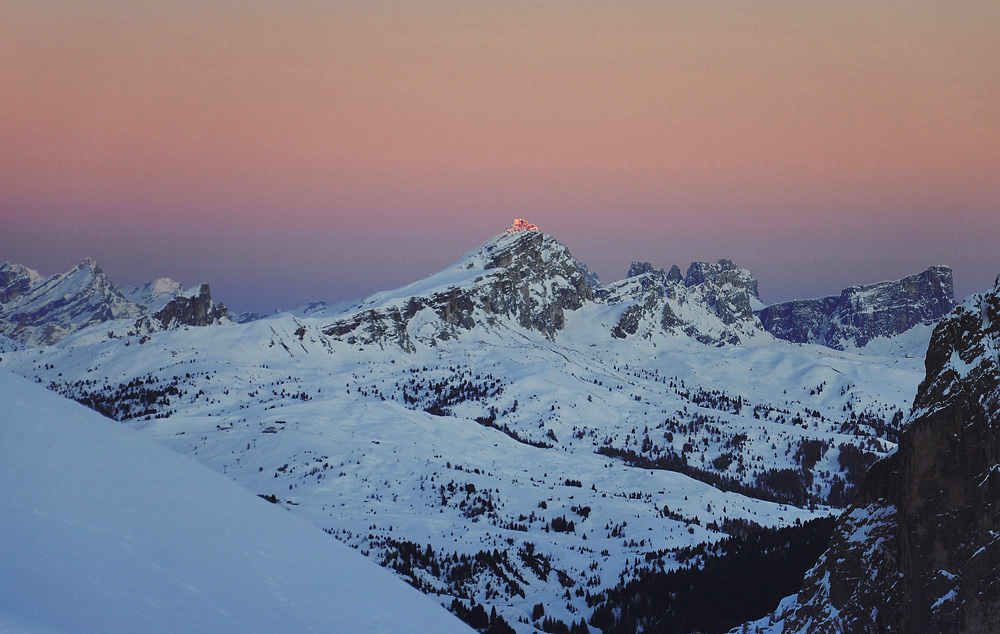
x=103 y=530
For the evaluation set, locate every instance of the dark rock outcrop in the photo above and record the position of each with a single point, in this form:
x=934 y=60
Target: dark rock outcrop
x=196 y=310
x=862 y=313
x=919 y=550
x=674 y=275
x=379 y=327
x=641 y=268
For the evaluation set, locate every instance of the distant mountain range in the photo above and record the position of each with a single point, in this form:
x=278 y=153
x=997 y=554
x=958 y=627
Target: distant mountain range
x=513 y=436
x=38 y=310
x=862 y=313
x=526 y=276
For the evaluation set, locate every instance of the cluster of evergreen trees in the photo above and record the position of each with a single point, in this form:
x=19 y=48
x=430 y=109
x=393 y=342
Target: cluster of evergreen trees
x=743 y=582
x=140 y=397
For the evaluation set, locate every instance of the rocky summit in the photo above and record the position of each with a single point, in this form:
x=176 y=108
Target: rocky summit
x=919 y=550
x=862 y=313
x=525 y=276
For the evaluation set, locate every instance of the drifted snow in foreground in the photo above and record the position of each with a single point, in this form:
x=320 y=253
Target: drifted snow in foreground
x=103 y=530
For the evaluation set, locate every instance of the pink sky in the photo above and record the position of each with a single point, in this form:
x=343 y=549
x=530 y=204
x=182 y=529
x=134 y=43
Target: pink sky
x=294 y=151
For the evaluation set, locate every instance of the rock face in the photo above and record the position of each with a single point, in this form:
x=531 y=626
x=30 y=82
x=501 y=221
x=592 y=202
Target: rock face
x=525 y=277
x=713 y=304
x=39 y=310
x=196 y=310
x=728 y=288
x=919 y=551
x=641 y=268
x=861 y=313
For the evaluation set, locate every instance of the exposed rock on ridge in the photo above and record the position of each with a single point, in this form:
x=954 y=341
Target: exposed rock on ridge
x=919 y=551
x=861 y=313
x=641 y=268
x=713 y=304
x=196 y=310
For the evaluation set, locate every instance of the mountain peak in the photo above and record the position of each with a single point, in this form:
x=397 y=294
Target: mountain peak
x=640 y=268
x=520 y=224
x=36 y=310
x=522 y=276
x=155 y=294
x=164 y=285
x=90 y=264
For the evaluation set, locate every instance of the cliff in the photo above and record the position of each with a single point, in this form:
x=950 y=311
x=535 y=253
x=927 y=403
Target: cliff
x=862 y=313
x=919 y=551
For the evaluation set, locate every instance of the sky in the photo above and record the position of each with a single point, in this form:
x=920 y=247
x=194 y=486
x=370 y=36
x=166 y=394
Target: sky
x=303 y=150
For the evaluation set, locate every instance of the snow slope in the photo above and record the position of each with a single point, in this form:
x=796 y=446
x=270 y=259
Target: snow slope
x=340 y=435
x=103 y=530
x=156 y=294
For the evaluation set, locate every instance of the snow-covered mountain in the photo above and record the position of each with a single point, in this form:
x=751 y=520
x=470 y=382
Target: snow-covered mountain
x=526 y=278
x=713 y=303
x=37 y=310
x=106 y=531
x=509 y=433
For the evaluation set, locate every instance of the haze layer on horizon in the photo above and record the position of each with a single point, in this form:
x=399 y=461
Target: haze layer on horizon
x=297 y=151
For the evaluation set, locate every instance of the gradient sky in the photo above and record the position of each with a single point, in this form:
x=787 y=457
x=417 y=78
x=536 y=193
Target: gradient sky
x=312 y=150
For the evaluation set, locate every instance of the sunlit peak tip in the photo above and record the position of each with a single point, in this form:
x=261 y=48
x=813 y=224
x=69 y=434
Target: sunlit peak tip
x=520 y=224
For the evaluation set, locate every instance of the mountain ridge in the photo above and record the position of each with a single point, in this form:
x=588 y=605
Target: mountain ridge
x=863 y=312
x=524 y=278
x=38 y=310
